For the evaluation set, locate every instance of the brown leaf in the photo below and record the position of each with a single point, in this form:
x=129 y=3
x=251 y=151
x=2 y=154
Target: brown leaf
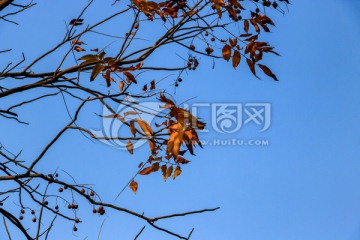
x=130 y=147
x=134 y=186
x=268 y=72
x=152 y=85
x=177 y=172
x=121 y=86
x=97 y=69
x=226 y=52
x=233 y=42
x=236 y=59
x=145 y=127
x=144 y=88
x=132 y=127
x=130 y=77
x=79 y=49
x=251 y=66
x=146 y=171
x=155 y=166
x=246 y=26
x=168 y=172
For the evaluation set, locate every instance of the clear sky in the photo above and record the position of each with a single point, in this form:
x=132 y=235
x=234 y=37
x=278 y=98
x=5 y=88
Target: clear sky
x=303 y=185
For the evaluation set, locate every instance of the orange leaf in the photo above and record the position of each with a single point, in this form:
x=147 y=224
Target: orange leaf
x=134 y=186
x=226 y=52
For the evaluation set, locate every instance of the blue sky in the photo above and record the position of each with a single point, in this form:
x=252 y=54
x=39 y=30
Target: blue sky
x=303 y=185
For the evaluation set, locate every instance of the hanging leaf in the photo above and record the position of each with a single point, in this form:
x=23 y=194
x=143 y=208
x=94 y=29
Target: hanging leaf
x=177 y=172
x=130 y=77
x=168 y=172
x=130 y=147
x=155 y=167
x=236 y=59
x=268 y=72
x=233 y=42
x=121 y=86
x=144 y=88
x=152 y=85
x=226 y=52
x=145 y=127
x=251 y=66
x=146 y=171
x=96 y=71
x=132 y=127
x=246 y=26
x=134 y=186
x=79 y=49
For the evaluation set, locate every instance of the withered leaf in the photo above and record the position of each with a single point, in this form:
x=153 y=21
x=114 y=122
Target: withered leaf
x=152 y=85
x=130 y=147
x=177 y=172
x=132 y=127
x=236 y=59
x=246 y=26
x=146 y=171
x=226 y=52
x=145 y=127
x=97 y=69
x=268 y=72
x=251 y=66
x=134 y=186
x=121 y=86
x=168 y=172
x=130 y=77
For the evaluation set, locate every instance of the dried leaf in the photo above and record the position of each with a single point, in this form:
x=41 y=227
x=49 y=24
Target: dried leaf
x=168 y=172
x=121 y=86
x=226 y=52
x=268 y=72
x=246 y=26
x=134 y=186
x=96 y=71
x=79 y=49
x=233 y=42
x=251 y=66
x=130 y=147
x=152 y=85
x=236 y=59
x=130 y=77
x=177 y=172
x=132 y=127
x=145 y=127
x=146 y=171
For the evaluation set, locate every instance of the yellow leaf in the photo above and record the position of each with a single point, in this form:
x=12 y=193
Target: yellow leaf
x=134 y=186
x=177 y=172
